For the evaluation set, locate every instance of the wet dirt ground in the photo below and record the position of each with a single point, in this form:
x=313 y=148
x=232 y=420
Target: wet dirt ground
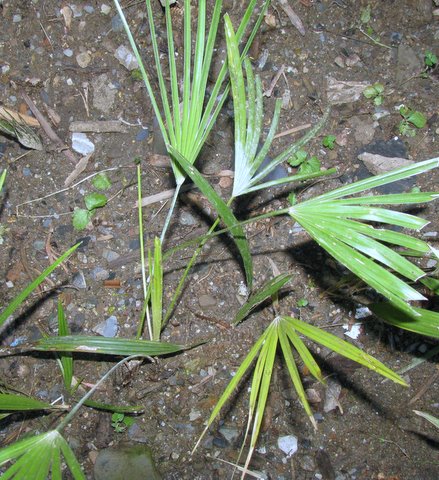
x=69 y=70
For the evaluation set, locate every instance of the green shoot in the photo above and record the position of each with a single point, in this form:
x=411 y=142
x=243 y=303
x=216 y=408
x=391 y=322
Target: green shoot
x=430 y=59
x=65 y=359
x=120 y=422
x=375 y=92
x=329 y=141
x=186 y=121
x=82 y=216
x=411 y=118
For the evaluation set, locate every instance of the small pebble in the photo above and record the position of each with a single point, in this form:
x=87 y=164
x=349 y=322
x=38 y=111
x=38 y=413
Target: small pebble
x=109 y=255
x=142 y=135
x=27 y=172
x=82 y=144
x=83 y=59
x=16 y=18
x=39 y=244
x=79 y=280
x=206 y=301
x=186 y=218
x=116 y=24
x=99 y=274
x=108 y=328
x=288 y=444
x=89 y=9
x=105 y=9
x=126 y=58
x=68 y=52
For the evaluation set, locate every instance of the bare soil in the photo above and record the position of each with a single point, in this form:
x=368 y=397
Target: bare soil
x=373 y=434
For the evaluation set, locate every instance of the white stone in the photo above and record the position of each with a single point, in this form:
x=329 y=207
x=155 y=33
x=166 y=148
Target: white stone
x=288 y=444
x=81 y=143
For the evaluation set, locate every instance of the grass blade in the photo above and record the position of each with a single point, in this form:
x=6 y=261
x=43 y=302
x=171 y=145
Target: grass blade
x=433 y=420
x=223 y=211
x=12 y=402
x=19 y=299
x=379 y=180
x=65 y=359
x=269 y=289
x=100 y=345
x=156 y=276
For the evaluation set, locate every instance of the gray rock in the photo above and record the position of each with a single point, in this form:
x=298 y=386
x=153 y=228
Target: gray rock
x=288 y=444
x=364 y=129
x=126 y=58
x=104 y=94
x=116 y=24
x=39 y=244
x=229 y=433
x=79 y=280
x=109 y=255
x=377 y=164
x=82 y=144
x=108 y=328
x=187 y=218
x=206 y=301
x=99 y=274
x=126 y=461
x=83 y=59
x=340 y=92
x=332 y=394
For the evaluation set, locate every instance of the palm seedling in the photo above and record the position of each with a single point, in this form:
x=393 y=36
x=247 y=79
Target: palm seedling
x=185 y=119
x=335 y=221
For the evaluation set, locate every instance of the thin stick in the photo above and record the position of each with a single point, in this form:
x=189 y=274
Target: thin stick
x=292 y=130
x=65 y=189
x=47 y=128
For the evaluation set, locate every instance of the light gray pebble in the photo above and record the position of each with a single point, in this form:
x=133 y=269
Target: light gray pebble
x=16 y=18
x=99 y=274
x=229 y=433
x=109 y=255
x=108 y=328
x=79 y=280
x=187 y=218
x=206 y=301
x=68 y=52
x=39 y=244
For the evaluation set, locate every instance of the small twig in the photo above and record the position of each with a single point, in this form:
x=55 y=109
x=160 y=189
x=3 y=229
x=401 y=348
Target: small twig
x=47 y=128
x=424 y=388
x=270 y=89
x=64 y=189
x=292 y=15
x=293 y=130
x=374 y=40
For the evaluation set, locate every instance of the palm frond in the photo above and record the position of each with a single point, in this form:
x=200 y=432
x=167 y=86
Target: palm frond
x=284 y=332
x=35 y=457
x=248 y=116
x=335 y=223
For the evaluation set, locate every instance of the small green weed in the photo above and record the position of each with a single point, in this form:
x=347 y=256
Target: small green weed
x=375 y=92
x=305 y=163
x=430 y=59
x=302 y=302
x=412 y=120
x=329 y=141
x=120 y=422
x=81 y=216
